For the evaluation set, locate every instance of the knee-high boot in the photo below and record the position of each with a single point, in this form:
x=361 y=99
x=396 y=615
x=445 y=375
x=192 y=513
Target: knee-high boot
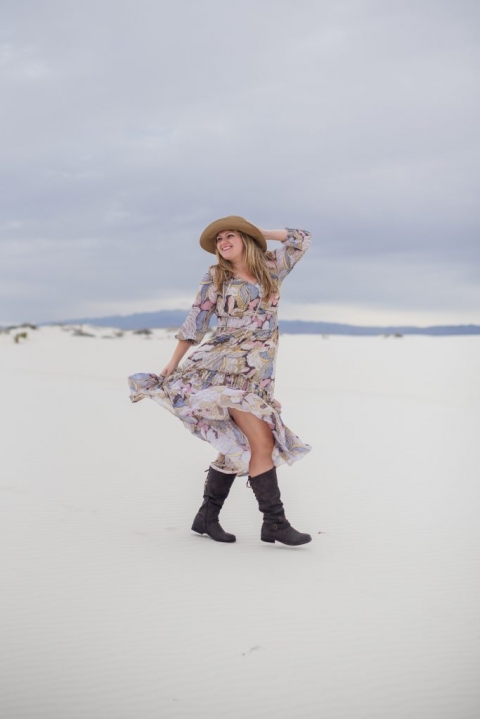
x=217 y=488
x=275 y=528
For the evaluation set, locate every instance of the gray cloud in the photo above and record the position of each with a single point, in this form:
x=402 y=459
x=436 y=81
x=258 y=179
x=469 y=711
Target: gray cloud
x=126 y=127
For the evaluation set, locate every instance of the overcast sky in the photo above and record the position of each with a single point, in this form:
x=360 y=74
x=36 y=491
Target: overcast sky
x=126 y=126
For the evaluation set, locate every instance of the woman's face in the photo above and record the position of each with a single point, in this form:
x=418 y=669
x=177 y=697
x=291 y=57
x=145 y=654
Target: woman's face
x=230 y=245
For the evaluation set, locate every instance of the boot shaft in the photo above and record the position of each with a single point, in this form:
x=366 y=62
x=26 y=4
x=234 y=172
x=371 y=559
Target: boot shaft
x=218 y=485
x=267 y=493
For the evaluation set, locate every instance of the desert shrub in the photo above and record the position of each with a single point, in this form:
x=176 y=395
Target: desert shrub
x=81 y=333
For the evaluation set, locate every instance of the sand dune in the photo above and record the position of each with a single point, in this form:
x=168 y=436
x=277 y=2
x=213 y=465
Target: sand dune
x=113 y=609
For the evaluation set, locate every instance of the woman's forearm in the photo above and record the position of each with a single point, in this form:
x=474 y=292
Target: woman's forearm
x=180 y=351
x=280 y=235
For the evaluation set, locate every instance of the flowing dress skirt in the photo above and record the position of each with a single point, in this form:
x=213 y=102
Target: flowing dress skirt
x=234 y=370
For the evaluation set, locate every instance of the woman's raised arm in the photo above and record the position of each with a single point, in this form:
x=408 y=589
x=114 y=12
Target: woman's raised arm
x=294 y=245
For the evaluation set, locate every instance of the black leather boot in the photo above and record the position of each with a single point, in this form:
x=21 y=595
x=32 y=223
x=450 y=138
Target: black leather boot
x=217 y=487
x=275 y=528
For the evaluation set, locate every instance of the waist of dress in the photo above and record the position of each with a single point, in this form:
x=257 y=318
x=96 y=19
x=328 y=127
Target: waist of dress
x=252 y=323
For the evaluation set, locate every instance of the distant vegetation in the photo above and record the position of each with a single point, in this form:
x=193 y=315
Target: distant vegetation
x=18 y=335
x=24 y=326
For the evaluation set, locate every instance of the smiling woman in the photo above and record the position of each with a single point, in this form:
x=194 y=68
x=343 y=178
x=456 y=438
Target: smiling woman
x=238 y=250
x=224 y=391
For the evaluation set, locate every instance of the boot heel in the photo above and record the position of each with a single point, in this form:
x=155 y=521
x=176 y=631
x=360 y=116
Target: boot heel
x=197 y=527
x=270 y=541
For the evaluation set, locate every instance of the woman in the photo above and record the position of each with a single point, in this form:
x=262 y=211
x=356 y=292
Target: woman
x=223 y=392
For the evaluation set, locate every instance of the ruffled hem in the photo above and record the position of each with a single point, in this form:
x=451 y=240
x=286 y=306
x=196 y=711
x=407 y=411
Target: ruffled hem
x=207 y=378
x=202 y=406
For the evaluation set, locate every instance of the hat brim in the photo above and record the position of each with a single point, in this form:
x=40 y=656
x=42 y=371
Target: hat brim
x=208 y=238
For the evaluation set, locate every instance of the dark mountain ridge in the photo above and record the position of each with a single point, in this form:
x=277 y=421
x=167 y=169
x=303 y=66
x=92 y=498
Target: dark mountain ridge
x=174 y=318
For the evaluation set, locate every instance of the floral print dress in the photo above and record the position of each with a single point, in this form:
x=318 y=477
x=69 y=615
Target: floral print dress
x=234 y=369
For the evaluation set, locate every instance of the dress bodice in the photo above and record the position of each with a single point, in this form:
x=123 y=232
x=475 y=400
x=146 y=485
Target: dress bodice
x=240 y=303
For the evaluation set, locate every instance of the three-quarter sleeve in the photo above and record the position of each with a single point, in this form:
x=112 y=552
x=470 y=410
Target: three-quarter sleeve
x=291 y=251
x=198 y=319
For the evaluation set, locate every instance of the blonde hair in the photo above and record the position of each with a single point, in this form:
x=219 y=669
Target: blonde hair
x=256 y=262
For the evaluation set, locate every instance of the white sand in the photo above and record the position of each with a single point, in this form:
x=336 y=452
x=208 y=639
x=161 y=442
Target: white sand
x=111 y=606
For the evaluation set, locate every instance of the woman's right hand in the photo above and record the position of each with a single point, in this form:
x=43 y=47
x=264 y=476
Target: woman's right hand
x=171 y=367
x=182 y=348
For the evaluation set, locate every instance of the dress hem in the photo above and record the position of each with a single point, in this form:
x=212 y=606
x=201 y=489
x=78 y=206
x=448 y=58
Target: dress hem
x=205 y=414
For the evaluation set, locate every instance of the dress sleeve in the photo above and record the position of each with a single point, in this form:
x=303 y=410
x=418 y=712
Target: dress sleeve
x=198 y=319
x=291 y=251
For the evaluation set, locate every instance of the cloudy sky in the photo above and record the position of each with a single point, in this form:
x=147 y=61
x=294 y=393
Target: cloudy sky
x=128 y=125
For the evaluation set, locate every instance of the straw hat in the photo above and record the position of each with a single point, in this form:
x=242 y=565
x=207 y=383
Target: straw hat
x=208 y=238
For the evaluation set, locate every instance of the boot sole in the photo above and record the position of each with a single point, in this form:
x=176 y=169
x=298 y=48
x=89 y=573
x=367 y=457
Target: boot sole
x=224 y=541
x=287 y=544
